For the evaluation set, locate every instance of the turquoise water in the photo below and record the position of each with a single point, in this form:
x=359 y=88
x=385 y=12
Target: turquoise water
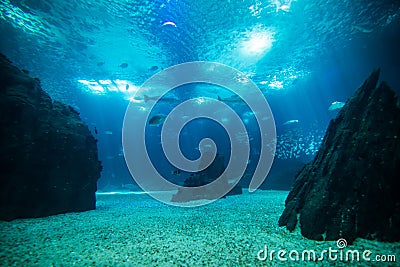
x=306 y=57
x=303 y=56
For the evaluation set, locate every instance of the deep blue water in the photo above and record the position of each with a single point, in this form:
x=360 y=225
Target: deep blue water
x=303 y=55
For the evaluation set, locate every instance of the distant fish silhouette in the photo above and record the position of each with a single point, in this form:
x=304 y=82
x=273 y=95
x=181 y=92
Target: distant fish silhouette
x=157 y=120
x=153 y=68
x=127 y=87
x=336 y=105
x=176 y=172
x=147 y=98
x=95 y=130
x=100 y=63
x=123 y=65
x=290 y=122
x=232 y=99
x=361 y=29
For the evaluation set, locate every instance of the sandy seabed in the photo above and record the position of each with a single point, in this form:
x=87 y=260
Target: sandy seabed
x=136 y=230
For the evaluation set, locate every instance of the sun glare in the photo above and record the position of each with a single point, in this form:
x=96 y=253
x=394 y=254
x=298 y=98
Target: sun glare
x=258 y=43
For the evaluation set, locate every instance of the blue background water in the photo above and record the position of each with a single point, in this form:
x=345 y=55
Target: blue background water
x=311 y=54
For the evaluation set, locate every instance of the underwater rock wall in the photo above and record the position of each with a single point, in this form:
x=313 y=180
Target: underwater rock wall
x=48 y=157
x=351 y=188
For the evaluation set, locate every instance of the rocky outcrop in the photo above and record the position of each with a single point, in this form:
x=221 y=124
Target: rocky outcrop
x=351 y=188
x=48 y=157
x=206 y=176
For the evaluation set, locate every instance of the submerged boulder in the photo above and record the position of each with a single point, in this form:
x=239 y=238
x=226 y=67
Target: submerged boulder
x=204 y=177
x=48 y=157
x=351 y=188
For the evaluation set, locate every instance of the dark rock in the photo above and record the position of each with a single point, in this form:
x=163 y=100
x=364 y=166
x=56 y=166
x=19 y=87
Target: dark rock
x=204 y=177
x=48 y=157
x=351 y=188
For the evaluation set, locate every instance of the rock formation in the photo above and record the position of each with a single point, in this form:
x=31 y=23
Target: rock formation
x=206 y=176
x=48 y=157
x=351 y=188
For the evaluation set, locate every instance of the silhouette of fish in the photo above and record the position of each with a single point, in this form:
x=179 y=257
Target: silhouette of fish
x=123 y=65
x=157 y=119
x=232 y=99
x=176 y=172
x=336 y=106
x=290 y=122
x=153 y=68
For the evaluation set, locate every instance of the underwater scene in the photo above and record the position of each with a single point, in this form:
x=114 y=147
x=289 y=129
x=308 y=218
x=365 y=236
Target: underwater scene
x=199 y=133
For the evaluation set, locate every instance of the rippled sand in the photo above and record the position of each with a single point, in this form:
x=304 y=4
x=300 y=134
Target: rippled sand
x=135 y=230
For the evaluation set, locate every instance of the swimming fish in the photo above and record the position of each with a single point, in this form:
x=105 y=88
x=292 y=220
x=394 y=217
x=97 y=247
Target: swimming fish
x=232 y=99
x=123 y=65
x=127 y=87
x=100 y=63
x=171 y=23
x=157 y=119
x=108 y=132
x=147 y=98
x=361 y=29
x=336 y=105
x=291 y=122
x=176 y=172
x=95 y=130
x=282 y=6
x=298 y=143
x=153 y=68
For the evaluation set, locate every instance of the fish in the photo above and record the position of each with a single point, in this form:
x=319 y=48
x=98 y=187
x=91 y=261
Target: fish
x=170 y=23
x=232 y=99
x=157 y=119
x=123 y=65
x=127 y=87
x=291 y=122
x=108 y=132
x=176 y=172
x=153 y=68
x=361 y=29
x=336 y=105
x=95 y=130
x=295 y=143
x=282 y=6
x=147 y=98
x=99 y=64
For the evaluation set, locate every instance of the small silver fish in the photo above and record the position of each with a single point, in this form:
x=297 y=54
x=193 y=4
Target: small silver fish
x=291 y=122
x=336 y=105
